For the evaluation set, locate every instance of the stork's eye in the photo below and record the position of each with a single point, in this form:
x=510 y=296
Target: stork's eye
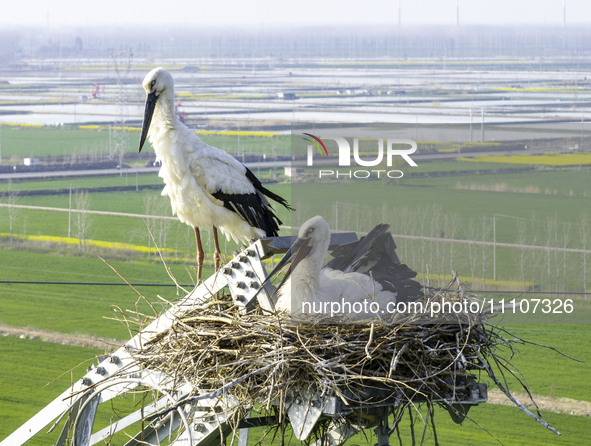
x=152 y=83
x=310 y=231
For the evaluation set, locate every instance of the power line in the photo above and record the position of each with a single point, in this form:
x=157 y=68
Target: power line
x=50 y=282
x=86 y=211
x=185 y=285
x=493 y=243
x=524 y=293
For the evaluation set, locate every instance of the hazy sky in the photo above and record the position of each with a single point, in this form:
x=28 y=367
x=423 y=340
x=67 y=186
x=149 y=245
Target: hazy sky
x=296 y=12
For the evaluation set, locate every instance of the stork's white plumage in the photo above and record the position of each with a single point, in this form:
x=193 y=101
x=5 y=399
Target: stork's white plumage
x=207 y=187
x=310 y=287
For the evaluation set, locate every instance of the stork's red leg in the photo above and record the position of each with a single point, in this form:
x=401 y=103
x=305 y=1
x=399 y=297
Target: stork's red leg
x=217 y=255
x=200 y=254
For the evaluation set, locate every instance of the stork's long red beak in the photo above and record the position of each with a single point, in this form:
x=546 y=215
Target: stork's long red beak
x=151 y=100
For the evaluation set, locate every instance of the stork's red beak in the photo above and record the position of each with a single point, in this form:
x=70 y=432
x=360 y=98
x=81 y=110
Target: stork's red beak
x=151 y=100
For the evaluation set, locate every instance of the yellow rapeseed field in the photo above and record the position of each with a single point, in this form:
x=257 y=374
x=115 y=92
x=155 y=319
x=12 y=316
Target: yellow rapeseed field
x=72 y=241
x=546 y=159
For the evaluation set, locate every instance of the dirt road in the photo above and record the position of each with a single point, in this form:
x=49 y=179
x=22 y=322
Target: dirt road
x=80 y=340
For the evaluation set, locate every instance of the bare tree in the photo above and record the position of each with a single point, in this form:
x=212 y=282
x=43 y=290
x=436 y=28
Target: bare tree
x=521 y=239
x=534 y=259
x=158 y=228
x=584 y=235
x=436 y=252
x=82 y=203
x=422 y=217
x=12 y=196
x=471 y=250
x=551 y=227
x=565 y=240
x=485 y=233
x=450 y=231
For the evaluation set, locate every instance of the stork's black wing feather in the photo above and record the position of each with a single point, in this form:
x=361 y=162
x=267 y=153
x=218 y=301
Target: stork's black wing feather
x=253 y=210
x=375 y=254
x=356 y=256
x=253 y=207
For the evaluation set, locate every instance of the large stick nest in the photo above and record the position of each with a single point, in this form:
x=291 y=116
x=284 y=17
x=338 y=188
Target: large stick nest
x=270 y=359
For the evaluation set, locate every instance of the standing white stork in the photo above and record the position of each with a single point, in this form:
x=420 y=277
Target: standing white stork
x=363 y=272
x=206 y=186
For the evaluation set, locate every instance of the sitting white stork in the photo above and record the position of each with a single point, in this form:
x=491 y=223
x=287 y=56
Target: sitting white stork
x=361 y=273
x=206 y=186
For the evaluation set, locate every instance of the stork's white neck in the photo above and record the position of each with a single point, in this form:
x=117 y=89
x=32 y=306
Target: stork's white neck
x=164 y=113
x=305 y=278
x=302 y=286
x=161 y=132
x=308 y=270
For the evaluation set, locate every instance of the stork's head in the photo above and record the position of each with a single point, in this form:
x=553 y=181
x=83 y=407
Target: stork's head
x=315 y=232
x=156 y=83
x=312 y=242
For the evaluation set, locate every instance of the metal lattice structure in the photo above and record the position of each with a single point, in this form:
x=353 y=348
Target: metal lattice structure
x=205 y=418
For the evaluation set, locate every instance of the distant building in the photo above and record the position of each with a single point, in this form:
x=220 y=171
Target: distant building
x=290 y=172
x=31 y=162
x=286 y=96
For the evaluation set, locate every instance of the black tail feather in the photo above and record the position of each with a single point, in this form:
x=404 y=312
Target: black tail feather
x=259 y=186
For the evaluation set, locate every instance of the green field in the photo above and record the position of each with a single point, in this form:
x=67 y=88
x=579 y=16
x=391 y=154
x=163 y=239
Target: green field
x=20 y=142
x=72 y=142
x=546 y=210
x=64 y=185
x=41 y=373
x=50 y=307
x=547 y=207
x=35 y=378
x=492 y=424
